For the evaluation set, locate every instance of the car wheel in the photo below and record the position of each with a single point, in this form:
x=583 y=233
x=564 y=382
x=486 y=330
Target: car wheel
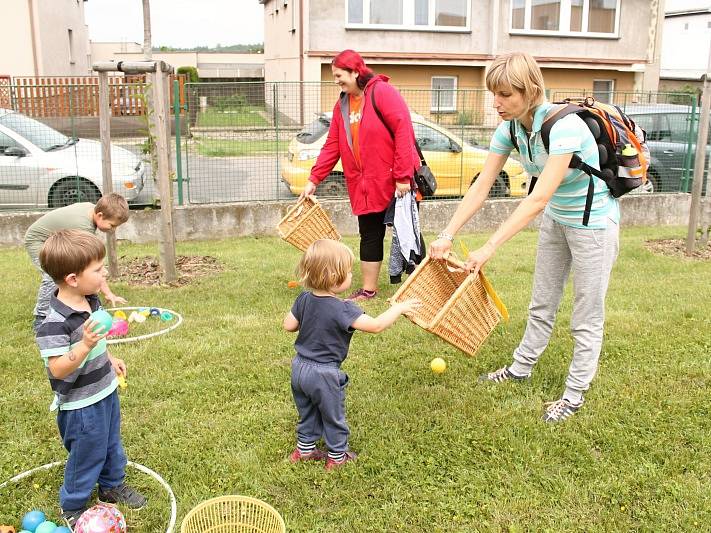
x=71 y=191
x=500 y=188
x=333 y=185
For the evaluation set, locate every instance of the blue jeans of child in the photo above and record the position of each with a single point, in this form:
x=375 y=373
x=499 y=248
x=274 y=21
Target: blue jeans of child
x=92 y=436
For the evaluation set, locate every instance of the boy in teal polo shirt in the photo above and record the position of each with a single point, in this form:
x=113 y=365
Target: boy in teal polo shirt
x=83 y=375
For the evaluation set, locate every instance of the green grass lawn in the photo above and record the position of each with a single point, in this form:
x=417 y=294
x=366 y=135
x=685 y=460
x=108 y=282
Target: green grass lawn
x=237 y=117
x=235 y=148
x=209 y=405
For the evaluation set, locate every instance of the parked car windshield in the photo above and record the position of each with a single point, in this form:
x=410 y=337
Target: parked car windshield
x=37 y=133
x=314 y=131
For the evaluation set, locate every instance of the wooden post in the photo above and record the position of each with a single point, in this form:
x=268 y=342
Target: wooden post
x=107 y=178
x=165 y=186
x=700 y=160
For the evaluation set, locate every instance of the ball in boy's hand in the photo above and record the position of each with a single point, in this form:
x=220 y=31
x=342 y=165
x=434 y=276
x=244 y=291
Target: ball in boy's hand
x=104 y=321
x=32 y=519
x=438 y=365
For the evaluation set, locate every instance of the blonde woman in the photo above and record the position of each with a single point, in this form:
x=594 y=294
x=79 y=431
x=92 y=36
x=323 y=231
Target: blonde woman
x=565 y=244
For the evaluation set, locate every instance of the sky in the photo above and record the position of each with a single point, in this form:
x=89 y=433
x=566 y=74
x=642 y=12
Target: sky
x=179 y=23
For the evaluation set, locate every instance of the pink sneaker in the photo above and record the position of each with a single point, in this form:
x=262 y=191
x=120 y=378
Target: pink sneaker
x=331 y=464
x=316 y=455
x=362 y=295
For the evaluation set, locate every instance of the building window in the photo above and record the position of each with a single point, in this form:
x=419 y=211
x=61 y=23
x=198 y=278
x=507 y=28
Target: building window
x=603 y=89
x=70 y=34
x=596 y=18
x=444 y=94
x=426 y=15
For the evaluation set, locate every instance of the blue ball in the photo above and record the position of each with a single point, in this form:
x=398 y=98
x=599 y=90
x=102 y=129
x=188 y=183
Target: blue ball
x=46 y=527
x=62 y=529
x=33 y=519
x=104 y=319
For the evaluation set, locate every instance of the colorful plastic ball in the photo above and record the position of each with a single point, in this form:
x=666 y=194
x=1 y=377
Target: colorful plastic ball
x=166 y=316
x=33 y=519
x=119 y=328
x=62 y=529
x=139 y=318
x=101 y=519
x=120 y=314
x=104 y=321
x=46 y=527
x=155 y=311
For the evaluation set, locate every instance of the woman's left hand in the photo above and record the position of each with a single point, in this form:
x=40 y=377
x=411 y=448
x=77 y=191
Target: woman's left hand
x=478 y=258
x=401 y=189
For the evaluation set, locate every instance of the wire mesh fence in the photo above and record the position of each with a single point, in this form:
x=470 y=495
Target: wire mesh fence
x=50 y=149
x=257 y=141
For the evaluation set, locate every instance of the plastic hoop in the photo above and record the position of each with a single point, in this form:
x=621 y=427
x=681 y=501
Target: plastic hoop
x=147 y=335
x=137 y=466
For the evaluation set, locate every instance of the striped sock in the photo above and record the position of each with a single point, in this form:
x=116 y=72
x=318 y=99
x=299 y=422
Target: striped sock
x=305 y=448
x=337 y=456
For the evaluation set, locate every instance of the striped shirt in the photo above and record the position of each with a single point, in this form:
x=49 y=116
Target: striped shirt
x=95 y=378
x=568 y=135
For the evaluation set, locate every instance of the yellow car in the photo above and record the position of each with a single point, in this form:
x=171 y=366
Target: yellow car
x=454 y=162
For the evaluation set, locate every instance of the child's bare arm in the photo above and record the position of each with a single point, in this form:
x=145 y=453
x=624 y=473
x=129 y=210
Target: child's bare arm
x=63 y=365
x=290 y=322
x=368 y=324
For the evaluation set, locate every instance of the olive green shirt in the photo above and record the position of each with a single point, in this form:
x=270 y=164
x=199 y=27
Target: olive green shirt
x=74 y=216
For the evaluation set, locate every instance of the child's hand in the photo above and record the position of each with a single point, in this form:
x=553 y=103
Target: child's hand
x=91 y=338
x=408 y=307
x=119 y=365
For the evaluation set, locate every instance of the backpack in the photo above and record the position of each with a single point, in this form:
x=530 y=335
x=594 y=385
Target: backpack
x=621 y=145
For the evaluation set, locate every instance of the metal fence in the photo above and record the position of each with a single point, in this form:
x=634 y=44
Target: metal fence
x=50 y=152
x=253 y=141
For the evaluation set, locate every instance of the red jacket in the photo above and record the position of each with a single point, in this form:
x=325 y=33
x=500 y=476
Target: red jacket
x=384 y=160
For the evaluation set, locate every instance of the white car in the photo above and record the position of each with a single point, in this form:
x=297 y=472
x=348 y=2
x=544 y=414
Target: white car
x=41 y=167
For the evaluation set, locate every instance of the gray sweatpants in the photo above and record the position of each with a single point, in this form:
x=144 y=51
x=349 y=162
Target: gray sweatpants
x=44 y=293
x=320 y=396
x=590 y=253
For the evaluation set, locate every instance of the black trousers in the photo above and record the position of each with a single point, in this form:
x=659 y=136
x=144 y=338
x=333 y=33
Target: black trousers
x=372 y=234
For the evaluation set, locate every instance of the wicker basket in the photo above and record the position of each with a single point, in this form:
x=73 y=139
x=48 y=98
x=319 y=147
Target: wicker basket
x=305 y=223
x=233 y=514
x=456 y=305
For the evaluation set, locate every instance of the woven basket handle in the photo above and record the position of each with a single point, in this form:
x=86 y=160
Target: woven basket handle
x=455 y=265
x=299 y=207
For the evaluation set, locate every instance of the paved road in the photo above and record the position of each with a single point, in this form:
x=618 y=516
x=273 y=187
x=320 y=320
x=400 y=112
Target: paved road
x=226 y=179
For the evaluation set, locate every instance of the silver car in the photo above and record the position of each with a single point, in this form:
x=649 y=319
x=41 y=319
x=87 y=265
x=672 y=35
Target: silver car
x=41 y=167
x=671 y=137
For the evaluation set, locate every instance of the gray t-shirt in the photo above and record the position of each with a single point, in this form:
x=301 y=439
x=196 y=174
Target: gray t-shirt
x=74 y=216
x=324 y=327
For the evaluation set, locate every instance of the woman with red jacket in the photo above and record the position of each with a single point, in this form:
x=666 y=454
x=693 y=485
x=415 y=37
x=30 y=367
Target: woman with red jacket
x=376 y=163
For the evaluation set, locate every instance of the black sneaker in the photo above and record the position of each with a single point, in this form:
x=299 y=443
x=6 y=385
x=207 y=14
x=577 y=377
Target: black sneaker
x=501 y=375
x=123 y=494
x=71 y=517
x=560 y=410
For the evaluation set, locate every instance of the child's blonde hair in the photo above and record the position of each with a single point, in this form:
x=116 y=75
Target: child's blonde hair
x=70 y=251
x=325 y=265
x=114 y=207
x=520 y=72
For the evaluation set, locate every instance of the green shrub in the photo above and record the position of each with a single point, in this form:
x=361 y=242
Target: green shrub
x=230 y=102
x=192 y=73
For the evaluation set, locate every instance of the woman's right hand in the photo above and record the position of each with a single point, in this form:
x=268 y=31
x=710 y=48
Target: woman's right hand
x=309 y=189
x=440 y=248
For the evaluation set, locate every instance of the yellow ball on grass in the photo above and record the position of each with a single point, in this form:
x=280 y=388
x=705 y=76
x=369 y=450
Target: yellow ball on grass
x=438 y=365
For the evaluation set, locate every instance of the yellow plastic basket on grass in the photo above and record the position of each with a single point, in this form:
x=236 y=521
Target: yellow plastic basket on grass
x=233 y=514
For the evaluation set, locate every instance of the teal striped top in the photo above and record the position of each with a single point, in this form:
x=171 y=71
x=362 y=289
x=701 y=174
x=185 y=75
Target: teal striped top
x=568 y=135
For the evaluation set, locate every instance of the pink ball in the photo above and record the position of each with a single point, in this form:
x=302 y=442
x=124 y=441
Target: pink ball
x=118 y=328
x=101 y=518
